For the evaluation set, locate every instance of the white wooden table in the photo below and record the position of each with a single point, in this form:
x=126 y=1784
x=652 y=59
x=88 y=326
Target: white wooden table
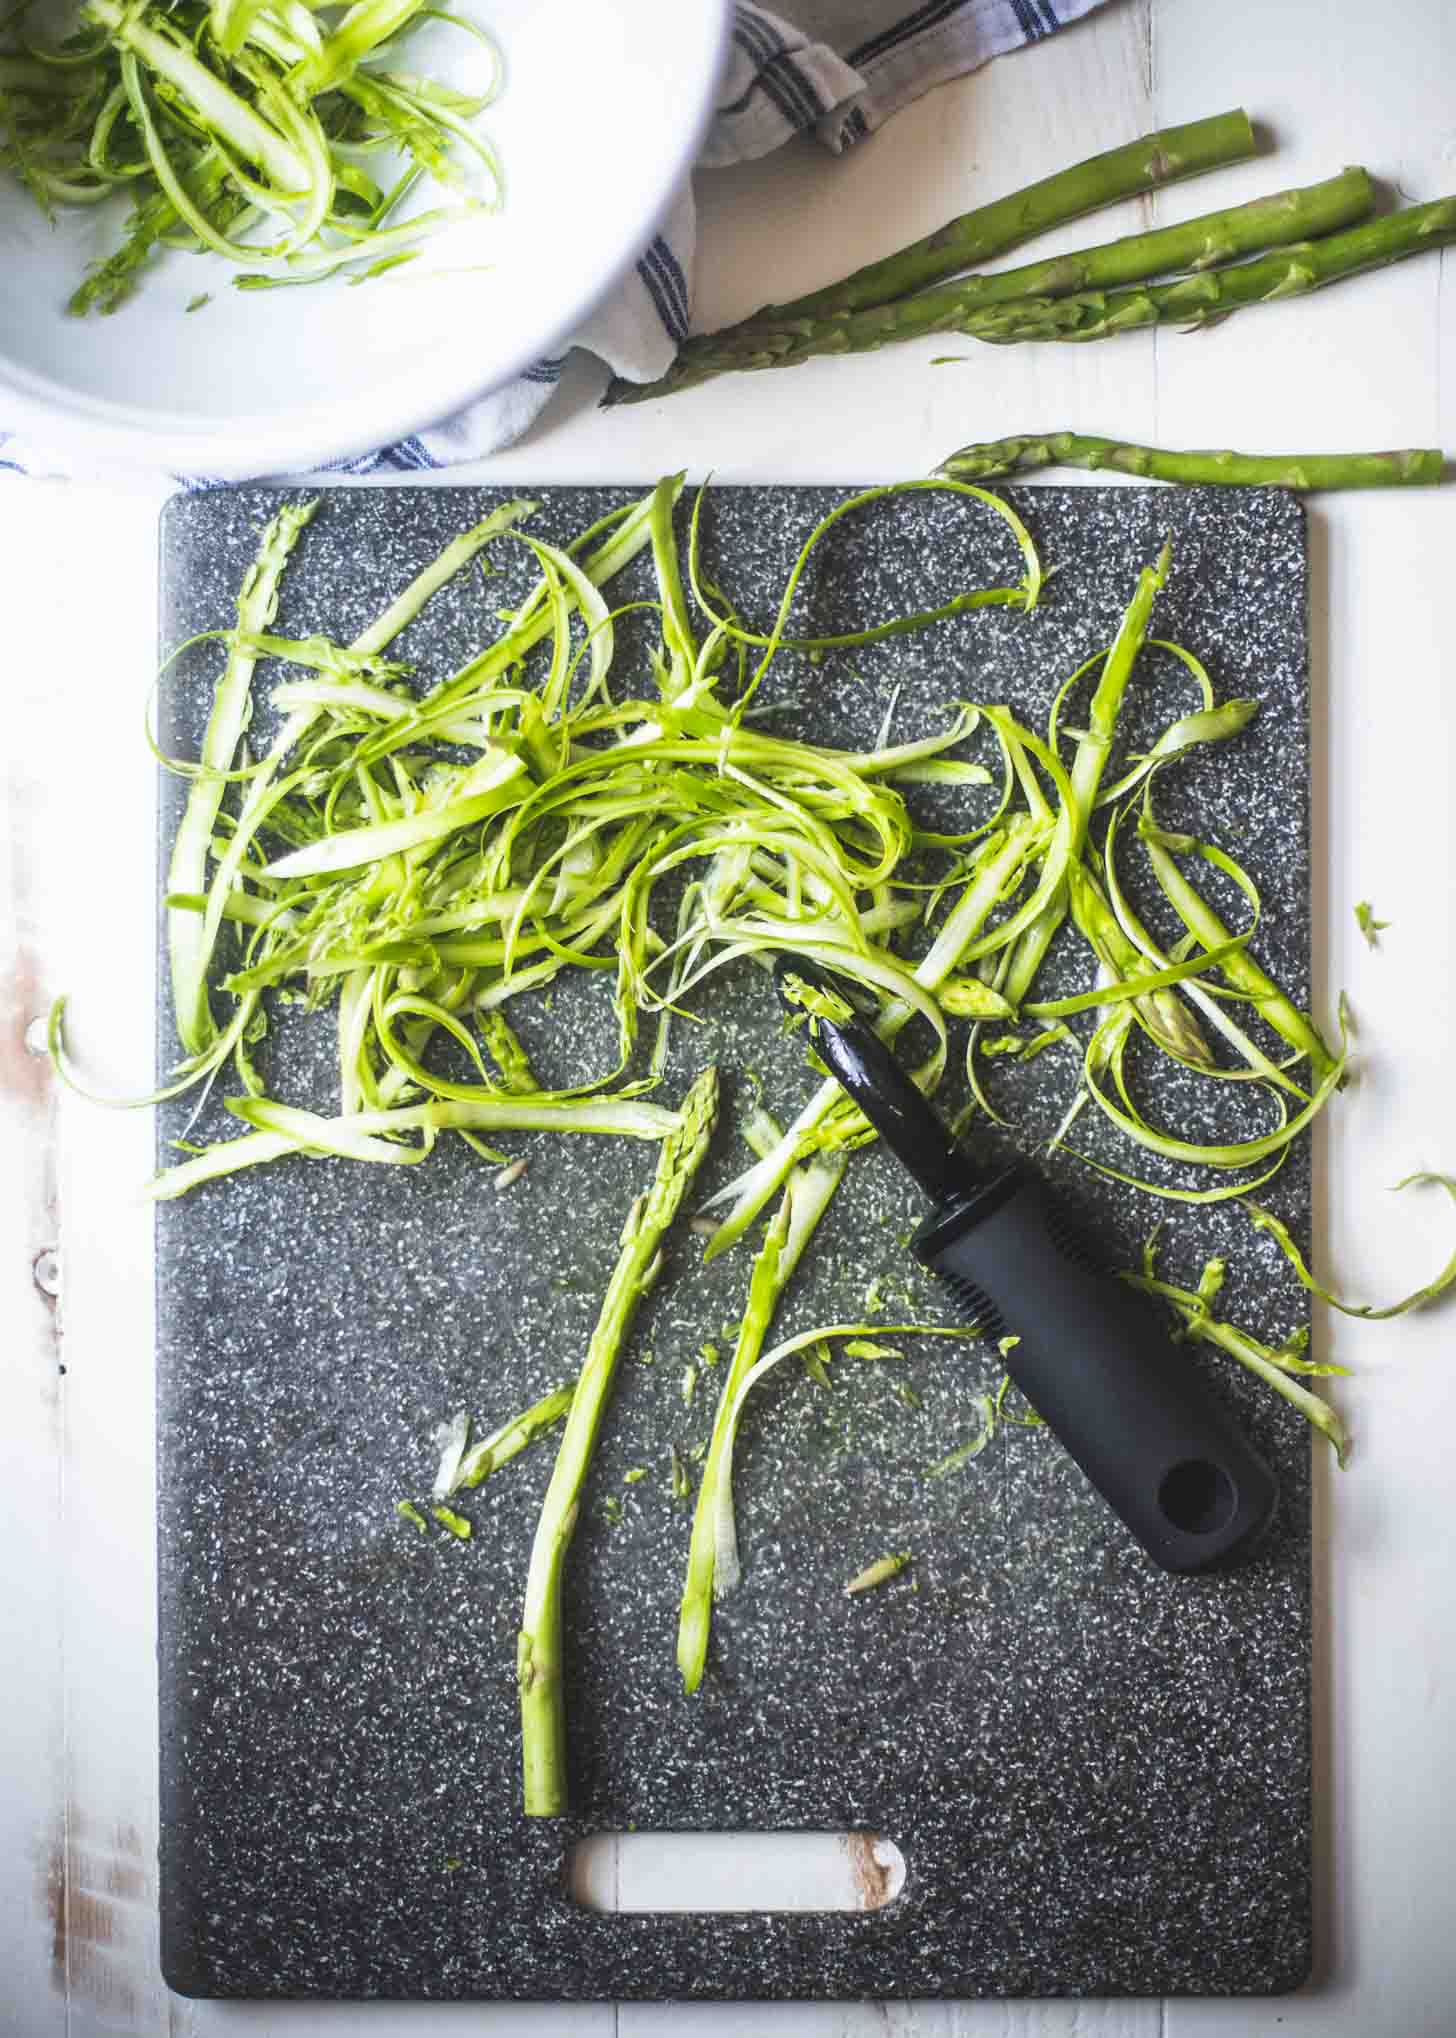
x=1371 y=364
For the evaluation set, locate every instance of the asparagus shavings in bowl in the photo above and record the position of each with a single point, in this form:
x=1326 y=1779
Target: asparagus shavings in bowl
x=283 y=139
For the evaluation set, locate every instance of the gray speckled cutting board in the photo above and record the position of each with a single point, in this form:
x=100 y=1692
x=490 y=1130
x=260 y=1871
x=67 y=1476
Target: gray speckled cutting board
x=1098 y=1773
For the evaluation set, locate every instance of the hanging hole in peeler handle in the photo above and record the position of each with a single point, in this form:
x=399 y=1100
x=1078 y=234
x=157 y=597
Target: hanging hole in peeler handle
x=1198 y=1497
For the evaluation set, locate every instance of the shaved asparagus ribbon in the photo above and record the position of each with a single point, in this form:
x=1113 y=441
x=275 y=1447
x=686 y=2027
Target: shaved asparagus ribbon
x=1419 y=1298
x=728 y=1570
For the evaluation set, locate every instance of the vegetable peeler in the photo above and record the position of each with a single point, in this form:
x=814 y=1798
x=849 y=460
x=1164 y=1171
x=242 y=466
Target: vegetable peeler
x=1088 y=1352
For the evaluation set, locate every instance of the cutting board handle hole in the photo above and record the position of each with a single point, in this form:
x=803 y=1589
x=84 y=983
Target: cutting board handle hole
x=854 y=1871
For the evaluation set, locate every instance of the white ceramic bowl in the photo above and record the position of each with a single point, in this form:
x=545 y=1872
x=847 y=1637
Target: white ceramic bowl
x=601 y=113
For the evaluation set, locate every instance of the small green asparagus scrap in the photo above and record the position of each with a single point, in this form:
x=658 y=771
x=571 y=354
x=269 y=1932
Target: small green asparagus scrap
x=968 y=998
x=679 y=1484
x=538 y=1656
x=997 y=458
x=879 y=1572
x=689 y=1385
x=1050 y=1036
x=507 y=1053
x=456 y=1523
x=411 y=1513
x=812 y=1001
x=507 y=1442
x=815 y=1364
x=1369 y=926
x=962 y=1455
x=1029 y=1419
x=637 y=1472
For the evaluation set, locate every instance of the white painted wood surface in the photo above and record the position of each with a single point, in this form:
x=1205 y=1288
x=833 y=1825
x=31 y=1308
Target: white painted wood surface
x=1370 y=364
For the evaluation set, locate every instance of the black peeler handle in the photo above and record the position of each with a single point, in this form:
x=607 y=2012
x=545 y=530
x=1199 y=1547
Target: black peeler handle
x=1095 y=1361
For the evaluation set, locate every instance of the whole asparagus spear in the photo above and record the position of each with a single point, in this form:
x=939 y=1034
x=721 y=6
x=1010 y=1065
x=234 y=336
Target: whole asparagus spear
x=997 y=457
x=1189 y=301
x=1200 y=300
x=990 y=230
x=538 y=1651
x=1274 y=221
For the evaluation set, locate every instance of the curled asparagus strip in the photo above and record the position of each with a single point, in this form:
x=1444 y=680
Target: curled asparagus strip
x=725 y=1526
x=1431 y=1291
x=1269 y=1363
x=995 y=459
x=538 y=1651
x=225 y=112
x=1238 y=969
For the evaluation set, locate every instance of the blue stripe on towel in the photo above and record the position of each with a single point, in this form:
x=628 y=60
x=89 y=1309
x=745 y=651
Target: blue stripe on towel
x=778 y=74
x=661 y=289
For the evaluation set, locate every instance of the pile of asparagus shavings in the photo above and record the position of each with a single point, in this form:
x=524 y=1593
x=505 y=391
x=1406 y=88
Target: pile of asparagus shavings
x=417 y=861
x=287 y=140
x=421 y=860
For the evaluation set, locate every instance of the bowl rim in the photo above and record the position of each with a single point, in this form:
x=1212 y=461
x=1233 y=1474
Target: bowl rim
x=95 y=432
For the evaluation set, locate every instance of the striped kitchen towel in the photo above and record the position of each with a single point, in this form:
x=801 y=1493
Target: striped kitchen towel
x=837 y=69
x=833 y=68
